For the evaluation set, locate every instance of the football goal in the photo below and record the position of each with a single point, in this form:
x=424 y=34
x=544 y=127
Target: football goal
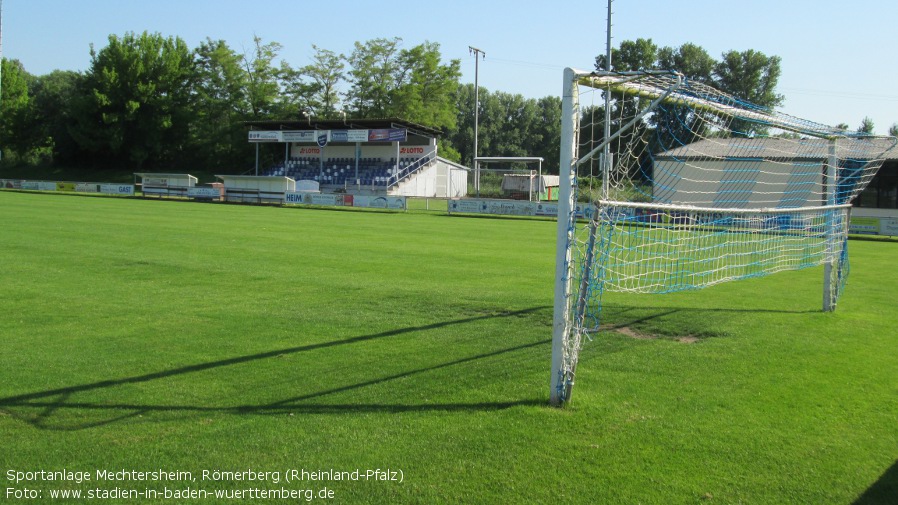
x=668 y=184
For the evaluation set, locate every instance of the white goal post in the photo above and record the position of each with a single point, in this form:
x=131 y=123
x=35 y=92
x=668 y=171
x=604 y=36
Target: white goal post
x=681 y=186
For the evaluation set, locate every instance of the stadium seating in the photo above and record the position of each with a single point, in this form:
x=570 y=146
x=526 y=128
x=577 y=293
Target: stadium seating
x=372 y=172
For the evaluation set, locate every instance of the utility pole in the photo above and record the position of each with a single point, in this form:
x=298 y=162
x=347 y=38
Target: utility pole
x=1 y=60
x=477 y=55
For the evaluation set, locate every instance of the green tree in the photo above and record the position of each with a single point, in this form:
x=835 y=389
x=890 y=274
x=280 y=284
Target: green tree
x=425 y=89
x=690 y=60
x=866 y=126
x=133 y=105
x=219 y=105
x=639 y=54
x=53 y=116
x=373 y=76
x=412 y=83
x=16 y=129
x=323 y=76
x=893 y=130
x=752 y=76
x=263 y=79
x=461 y=137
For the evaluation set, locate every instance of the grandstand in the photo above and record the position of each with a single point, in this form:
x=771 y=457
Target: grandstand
x=361 y=156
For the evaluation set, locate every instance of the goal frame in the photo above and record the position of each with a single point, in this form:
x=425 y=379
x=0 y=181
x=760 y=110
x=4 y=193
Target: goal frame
x=562 y=379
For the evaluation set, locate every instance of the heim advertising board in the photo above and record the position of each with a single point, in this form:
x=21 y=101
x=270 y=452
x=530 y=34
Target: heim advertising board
x=10 y=184
x=332 y=200
x=304 y=198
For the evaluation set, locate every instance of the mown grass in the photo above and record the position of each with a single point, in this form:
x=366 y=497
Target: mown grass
x=141 y=335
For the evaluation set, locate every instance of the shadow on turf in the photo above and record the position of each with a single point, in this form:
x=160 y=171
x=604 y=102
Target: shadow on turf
x=882 y=492
x=54 y=400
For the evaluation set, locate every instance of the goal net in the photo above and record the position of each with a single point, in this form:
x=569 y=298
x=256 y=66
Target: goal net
x=668 y=184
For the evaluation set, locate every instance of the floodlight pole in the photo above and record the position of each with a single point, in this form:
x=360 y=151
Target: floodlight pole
x=477 y=55
x=606 y=158
x=1 y=59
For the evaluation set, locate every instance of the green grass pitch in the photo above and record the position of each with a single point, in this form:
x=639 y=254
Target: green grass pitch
x=143 y=335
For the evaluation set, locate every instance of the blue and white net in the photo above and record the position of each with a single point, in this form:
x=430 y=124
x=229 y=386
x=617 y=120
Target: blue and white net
x=701 y=188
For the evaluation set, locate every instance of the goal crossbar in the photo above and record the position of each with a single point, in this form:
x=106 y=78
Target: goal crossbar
x=673 y=87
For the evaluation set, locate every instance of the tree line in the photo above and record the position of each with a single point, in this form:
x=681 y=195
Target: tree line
x=150 y=102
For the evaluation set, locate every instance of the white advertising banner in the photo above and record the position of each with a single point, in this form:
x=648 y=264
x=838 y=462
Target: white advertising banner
x=322 y=199
x=10 y=184
x=509 y=207
x=298 y=136
x=204 y=193
x=83 y=187
x=888 y=226
x=497 y=207
x=357 y=136
x=266 y=136
x=117 y=189
x=379 y=202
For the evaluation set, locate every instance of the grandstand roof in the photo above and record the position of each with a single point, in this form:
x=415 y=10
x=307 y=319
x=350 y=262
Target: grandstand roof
x=341 y=124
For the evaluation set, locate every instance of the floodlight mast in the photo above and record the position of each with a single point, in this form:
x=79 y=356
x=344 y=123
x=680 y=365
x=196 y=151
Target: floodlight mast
x=477 y=55
x=1 y=59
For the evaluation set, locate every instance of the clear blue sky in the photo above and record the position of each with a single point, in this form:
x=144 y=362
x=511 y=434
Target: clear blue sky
x=838 y=58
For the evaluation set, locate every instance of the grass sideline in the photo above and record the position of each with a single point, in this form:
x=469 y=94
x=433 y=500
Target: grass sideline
x=141 y=335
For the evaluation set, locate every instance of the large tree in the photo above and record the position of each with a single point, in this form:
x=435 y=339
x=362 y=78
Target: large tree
x=373 y=76
x=53 y=115
x=747 y=75
x=134 y=103
x=413 y=84
x=425 y=87
x=16 y=127
x=263 y=79
x=220 y=104
x=315 y=88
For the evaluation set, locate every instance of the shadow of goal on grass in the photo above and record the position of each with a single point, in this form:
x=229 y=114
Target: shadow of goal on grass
x=51 y=402
x=884 y=491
